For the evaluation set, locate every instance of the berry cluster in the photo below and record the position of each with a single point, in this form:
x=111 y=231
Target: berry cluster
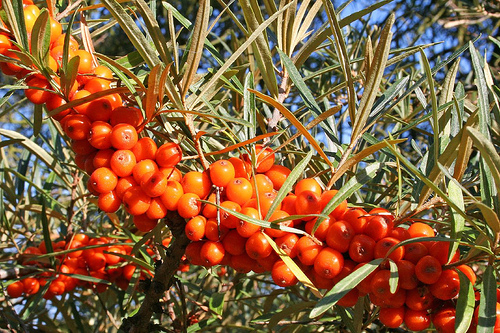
x=99 y=261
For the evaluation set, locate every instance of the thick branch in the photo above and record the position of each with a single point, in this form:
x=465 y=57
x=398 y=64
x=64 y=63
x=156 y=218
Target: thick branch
x=163 y=279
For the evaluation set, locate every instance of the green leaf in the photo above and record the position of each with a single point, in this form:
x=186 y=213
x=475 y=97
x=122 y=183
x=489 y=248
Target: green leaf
x=488 y=301
x=216 y=303
x=457 y=220
x=343 y=287
x=40 y=38
x=394 y=279
x=465 y=304
x=249 y=107
x=289 y=183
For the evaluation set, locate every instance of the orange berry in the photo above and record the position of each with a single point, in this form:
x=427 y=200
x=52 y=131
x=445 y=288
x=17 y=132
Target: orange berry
x=196 y=182
x=221 y=173
x=307 y=203
x=31 y=286
x=234 y=243
x=447 y=286
x=168 y=155
x=282 y=275
x=77 y=126
x=109 y=202
x=215 y=232
x=288 y=243
x=103 y=72
x=265 y=158
x=85 y=65
x=143 y=167
x=356 y=218
x=339 y=236
x=103 y=180
x=154 y=183
x=212 y=253
x=428 y=269
x=100 y=135
x=247 y=229
x=415 y=251
x=384 y=245
x=417 y=320
x=308 y=184
x=157 y=209
x=241 y=168
x=361 y=248
x=122 y=162
x=99 y=109
x=39 y=90
x=377 y=227
x=328 y=263
x=172 y=194
x=419 y=229
x=136 y=202
x=322 y=230
x=144 y=223
x=96 y=85
x=257 y=246
x=189 y=205
x=195 y=228
x=123 y=136
x=144 y=149
x=124 y=184
x=392 y=317
x=278 y=174
x=226 y=218
x=102 y=158
x=278 y=215
x=15 y=289
x=239 y=190
x=261 y=184
x=307 y=250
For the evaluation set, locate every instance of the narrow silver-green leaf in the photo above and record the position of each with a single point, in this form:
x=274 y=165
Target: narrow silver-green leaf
x=457 y=220
x=488 y=301
x=465 y=304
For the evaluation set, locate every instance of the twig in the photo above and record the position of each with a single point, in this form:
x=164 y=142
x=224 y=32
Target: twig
x=429 y=204
x=163 y=278
x=11 y=273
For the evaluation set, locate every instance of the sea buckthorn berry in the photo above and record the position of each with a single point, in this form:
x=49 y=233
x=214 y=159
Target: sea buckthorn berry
x=226 y=218
x=100 y=135
x=195 y=228
x=102 y=158
x=124 y=184
x=241 y=168
x=144 y=223
x=169 y=155
x=212 y=253
x=15 y=289
x=415 y=251
x=419 y=229
x=278 y=174
x=31 y=13
x=5 y=44
x=85 y=65
x=73 y=44
x=282 y=275
x=380 y=284
x=80 y=94
x=209 y=210
x=350 y=299
x=172 y=173
x=96 y=85
x=257 y=246
x=136 y=202
x=172 y=194
x=39 y=90
x=103 y=72
x=338 y=211
x=419 y=298
x=103 y=180
x=234 y=243
x=55 y=30
x=122 y=162
x=53 y=103
x=265 y=200
x=144 y=149
x=307 y=250
x=99 y=109
x=444 y=319
x=428 y=270
x=278 y=215
x=123 y=136
x=440 y=250
x=112 y=259
x=261 y=184
x=247 y=229
x=384 y=245
x=339 y=236
x=417 y=320
x=406 y=272
x=242 y=263
x=265 y=158
x=154 y=183
x=362 y=248
x=308 y=184
x=189 y=205
x=469 y=273
x=31 y=286
x=215 y=232
x=392 y=317
x=82 y=147
x=399 y=233
x=322 y=229
x=143 y=167
x=328 y=263
x=319 y=281
x=288 y=243
x=77 y=126
x=307 y=203
x=109 y=202
x=157 y=209
x=196 y=182
x=376 y=227
x=356 y=217
x=221 y=173
x=447 y=286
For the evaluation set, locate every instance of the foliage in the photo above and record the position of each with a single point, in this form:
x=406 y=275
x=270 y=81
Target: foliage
x=365 y=114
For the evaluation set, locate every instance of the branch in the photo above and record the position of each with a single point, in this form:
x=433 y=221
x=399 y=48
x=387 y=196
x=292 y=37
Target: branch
x=163 y=279
x=11 y=273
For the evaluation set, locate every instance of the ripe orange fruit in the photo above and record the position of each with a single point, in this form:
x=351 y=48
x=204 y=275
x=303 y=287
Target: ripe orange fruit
x=261 y=184
x=144 y=223
x=415 y=251
x=109 y=202
x=417 y=320
x=265 y=158
x=196 y=182
x=30 y=285
x=376 y=227
x=172 y=194
x=124 y=184
x=157 y=209
x=328 y=263
x=339 y=236
x=99 y=109
x=154 y=183
x=77 y=126
x=144 y=149
x=322 y=229
x=356 y=218
x=419 y=298
x=440 y=251
x=247 y=229
x=127 y=115
x=428 y=270
x=406 y=272
x=339 y=211
x=384 y=245
x=288 y=243
x=447 y=286
x=242 y=169
x=136 y=202
x=96 y=85
x=15 y=289
x=307 y=250
x=257 y=246
x=123 y=136
x=103 y=180
x=469 y=272
x=100 y=135
x=282 y=275
x=226 y=218
x=85 y=65
x=195 y=228
x=278 y=174
x=444 y=319
x=307 y=203
x=265 y=200
x=278 y=215
x=189 y=205
x=39 y=90
x=221 y=173
x=234 y=243
x=122 y=162
x=215 y=232
x=419 y=229
x=211 y=253
x=169 y=155
x=308 y=184
x=392 y=317
x=143 y=167
x=361 y=248
x=82 y=147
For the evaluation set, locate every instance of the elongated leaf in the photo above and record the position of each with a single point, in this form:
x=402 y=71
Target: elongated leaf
x=457 y=220
x=289 y=183
x=289 y=115
x=373 y=80
x=465 y=304
x=394 y=278
x=343 y=56
x=343 y=287
x=488 y=301
x=435 y=116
